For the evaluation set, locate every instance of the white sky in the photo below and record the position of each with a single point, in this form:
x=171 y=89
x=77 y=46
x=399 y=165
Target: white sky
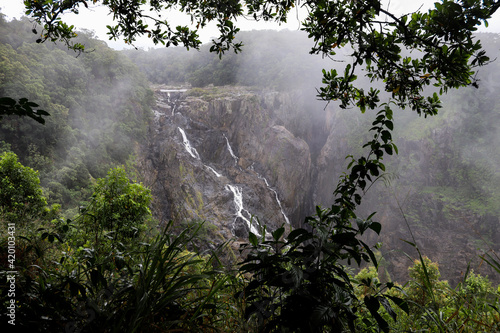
x=96 y=18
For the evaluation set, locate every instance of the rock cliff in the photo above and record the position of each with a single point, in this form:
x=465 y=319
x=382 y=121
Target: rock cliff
x=241 y=159
x=230 y=156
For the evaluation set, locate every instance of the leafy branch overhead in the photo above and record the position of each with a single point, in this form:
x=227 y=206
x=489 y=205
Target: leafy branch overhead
x=23 y=107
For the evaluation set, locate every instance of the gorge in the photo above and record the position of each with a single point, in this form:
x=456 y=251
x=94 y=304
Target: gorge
x=243 y=140
x=241 y=158
x=170 y=190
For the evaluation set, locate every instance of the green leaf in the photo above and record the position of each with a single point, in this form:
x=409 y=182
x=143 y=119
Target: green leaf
x=375 y=226
x=7 y=101
x=370 y=253
x=387 y=306
x=278 y=233
x=299 y=235
x=252 y=238
x=372 y=303
x=402 y=304
x=412 y=244
x=492 y=262
x=389 y=124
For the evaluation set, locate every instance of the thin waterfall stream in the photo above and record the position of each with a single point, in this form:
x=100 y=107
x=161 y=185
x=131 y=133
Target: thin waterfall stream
x=191 y=150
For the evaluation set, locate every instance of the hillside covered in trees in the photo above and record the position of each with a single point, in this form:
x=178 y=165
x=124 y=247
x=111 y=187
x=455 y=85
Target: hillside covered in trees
x=99 y=110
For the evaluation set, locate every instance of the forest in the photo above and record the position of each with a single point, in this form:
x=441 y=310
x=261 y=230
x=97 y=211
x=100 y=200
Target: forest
x=81 y=250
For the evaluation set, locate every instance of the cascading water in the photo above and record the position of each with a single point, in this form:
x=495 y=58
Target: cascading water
x=213 y=170
x=219 y=191
x=231 y=150
x=238 y=201
x=170 y=100
x=174 y=106
x=277 y=198
x=191 y=150
x=157 y=115
x=237 y=191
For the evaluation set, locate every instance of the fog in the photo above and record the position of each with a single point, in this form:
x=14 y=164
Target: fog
x=443 y=184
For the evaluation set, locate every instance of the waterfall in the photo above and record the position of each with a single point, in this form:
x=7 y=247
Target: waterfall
x=238 y=201
x=157 y=115
x=231 y=150
x=192 y=151
x=277 y=200
x=237 y=192
x=275 y=194
x=213 y=170
x=171 y=102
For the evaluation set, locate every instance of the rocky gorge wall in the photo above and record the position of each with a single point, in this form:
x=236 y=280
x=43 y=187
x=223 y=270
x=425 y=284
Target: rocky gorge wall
x=231 y=156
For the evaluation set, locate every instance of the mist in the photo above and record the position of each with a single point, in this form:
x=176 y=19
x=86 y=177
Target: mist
x=99 y=105
x=444 y=185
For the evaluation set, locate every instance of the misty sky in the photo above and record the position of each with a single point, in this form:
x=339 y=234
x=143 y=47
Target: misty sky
x=96 y=18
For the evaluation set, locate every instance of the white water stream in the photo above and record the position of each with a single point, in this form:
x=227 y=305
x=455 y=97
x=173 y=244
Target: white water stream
x=231 y=150
x=238 y=201
x=277 y=198
x=169 y=97
x=191 y=150
x=213 y=170
x=241 y=212
x=237 y=192
x=174 y=105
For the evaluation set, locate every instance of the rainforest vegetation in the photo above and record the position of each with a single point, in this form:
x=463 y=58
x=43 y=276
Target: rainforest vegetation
x=81 y=251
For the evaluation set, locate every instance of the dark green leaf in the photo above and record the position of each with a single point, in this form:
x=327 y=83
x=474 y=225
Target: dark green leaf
x=252 y=238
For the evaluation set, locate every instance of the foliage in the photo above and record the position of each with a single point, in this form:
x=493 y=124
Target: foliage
x=21 y=197
x=117 y=206
x=425 y=289
x=158 y=287
x=69 y=281
x=99 y=105
x=23 y=107
x=299 y=283
x=471 y=307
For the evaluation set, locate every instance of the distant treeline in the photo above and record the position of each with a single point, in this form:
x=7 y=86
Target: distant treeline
x=271 y=59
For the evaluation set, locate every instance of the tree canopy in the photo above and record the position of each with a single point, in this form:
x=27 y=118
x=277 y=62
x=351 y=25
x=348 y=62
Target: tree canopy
x=21 y=196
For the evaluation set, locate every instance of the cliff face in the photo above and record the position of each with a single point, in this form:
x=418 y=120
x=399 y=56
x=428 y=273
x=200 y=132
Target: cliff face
x=230 y=157
x=235 y=158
